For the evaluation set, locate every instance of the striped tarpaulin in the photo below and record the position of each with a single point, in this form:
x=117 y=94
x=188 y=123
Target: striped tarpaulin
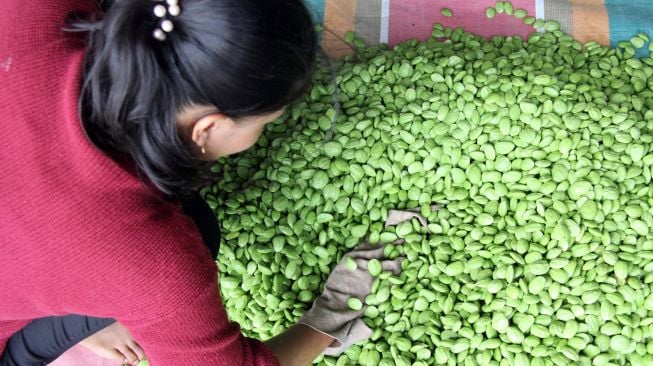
x=394 y=21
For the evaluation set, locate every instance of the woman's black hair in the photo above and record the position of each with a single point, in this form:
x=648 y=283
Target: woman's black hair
x=245 y=57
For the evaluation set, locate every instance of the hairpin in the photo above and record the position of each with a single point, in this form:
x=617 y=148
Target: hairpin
x=164 y=12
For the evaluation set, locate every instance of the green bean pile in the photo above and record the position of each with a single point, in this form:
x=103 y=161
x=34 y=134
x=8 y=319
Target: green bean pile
x=538 y=152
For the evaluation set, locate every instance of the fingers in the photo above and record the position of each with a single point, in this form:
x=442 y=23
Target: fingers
x=398 y=241
x=114 y=354
x=367 y=251
x=364 y=246
x=128 y=356
x=359 y=331
x=393 y=266
x=136 y=348
x=396 y=217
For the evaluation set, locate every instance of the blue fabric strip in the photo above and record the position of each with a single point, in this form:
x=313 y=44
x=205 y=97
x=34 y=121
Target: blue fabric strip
x=317 y=10
x=629 y=17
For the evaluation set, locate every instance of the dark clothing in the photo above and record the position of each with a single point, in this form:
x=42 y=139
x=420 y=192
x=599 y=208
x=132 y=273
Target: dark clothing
x=205 y=220
x=44 y=340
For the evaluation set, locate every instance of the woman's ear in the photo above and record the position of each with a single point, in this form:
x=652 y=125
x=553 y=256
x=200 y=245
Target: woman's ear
x=206 y=127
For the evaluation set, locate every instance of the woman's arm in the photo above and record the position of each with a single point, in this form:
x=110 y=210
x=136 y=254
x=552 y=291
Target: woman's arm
x=200 y=334
x=44 y=339
x=299 y=345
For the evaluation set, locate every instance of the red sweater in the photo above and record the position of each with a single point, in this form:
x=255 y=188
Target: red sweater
x=81 y=235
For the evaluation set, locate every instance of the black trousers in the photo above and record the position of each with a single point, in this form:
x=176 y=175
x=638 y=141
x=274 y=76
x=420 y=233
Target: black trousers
x=45 y=339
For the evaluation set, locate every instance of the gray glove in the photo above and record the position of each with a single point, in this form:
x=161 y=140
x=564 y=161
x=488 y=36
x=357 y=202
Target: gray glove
x=396 y=217
x=331 y=315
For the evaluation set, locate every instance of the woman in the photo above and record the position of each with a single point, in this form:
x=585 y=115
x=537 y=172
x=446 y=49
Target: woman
x=105 y=131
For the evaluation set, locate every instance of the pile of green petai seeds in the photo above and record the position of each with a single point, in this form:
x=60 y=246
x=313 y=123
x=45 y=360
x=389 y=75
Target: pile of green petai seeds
x=538 y=151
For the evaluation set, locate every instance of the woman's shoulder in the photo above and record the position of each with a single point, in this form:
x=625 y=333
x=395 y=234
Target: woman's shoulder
x=36 y=21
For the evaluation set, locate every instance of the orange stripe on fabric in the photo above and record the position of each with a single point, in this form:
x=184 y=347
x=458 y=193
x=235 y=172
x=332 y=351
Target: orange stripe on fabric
x=339 y=18
x=590 y=21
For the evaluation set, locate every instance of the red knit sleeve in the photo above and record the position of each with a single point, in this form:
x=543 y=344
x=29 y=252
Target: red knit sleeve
x=199 y=334
x=7 y=329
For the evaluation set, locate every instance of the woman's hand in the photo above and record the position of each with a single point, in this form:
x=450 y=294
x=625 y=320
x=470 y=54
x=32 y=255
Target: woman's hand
x=350 y=279
x=116 y=343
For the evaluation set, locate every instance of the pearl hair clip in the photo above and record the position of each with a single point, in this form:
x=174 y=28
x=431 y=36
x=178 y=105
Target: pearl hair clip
x=170 y=10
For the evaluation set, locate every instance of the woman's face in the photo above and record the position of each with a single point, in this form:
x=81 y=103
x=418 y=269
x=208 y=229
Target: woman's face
x=240 y=135
x=215 y=135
